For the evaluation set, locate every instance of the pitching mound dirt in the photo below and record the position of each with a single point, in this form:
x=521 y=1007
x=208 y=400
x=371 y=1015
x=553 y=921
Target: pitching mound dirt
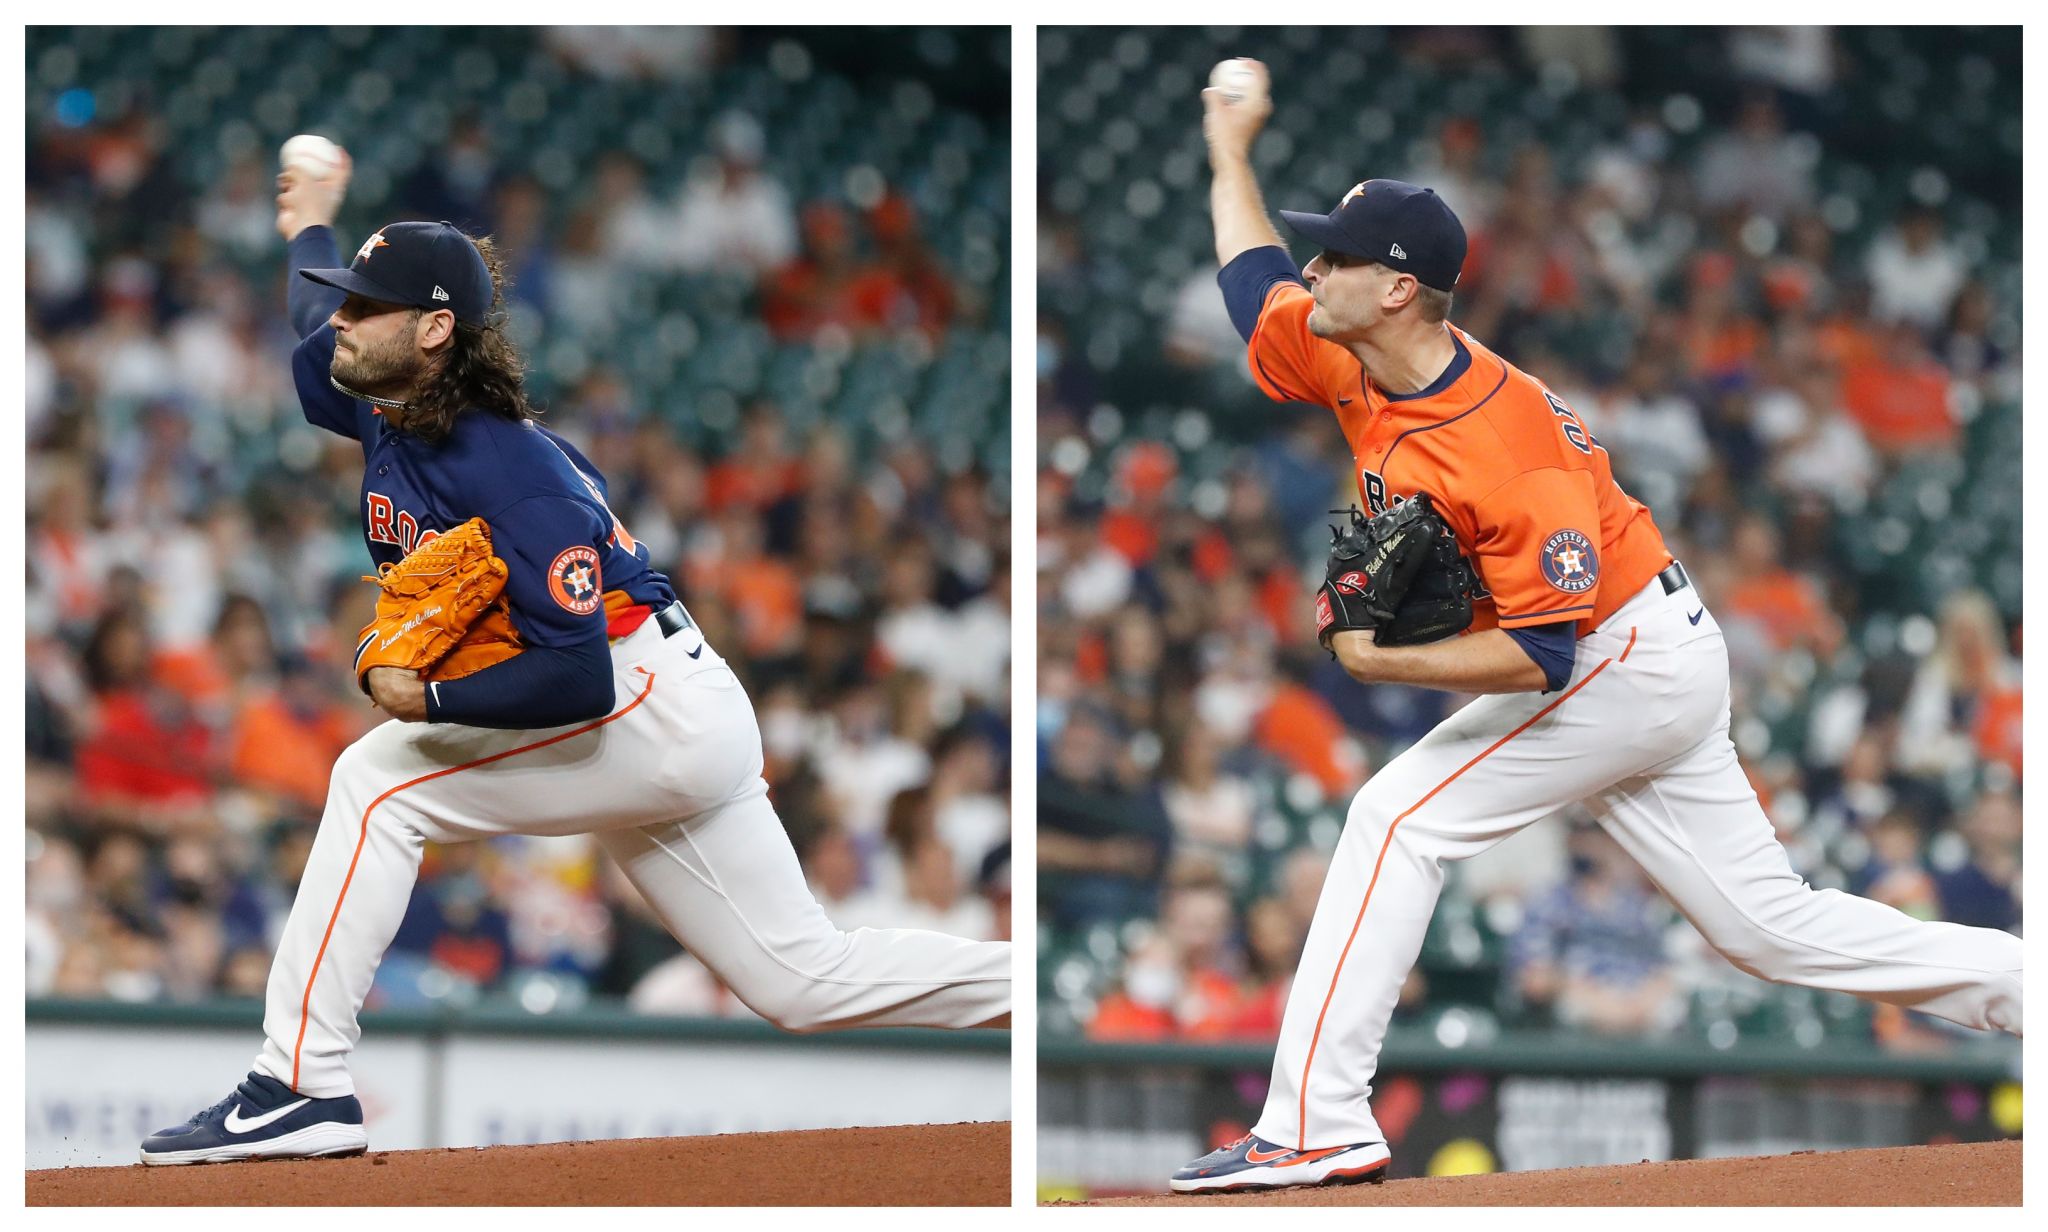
x=902 y=1165
x=1966 y=1174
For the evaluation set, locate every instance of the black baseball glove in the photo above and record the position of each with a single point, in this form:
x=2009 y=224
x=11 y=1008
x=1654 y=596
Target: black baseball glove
x=1399 y=574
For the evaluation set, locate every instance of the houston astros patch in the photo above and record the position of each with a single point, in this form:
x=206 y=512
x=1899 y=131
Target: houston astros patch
x=573 y=581
x=1569 y=562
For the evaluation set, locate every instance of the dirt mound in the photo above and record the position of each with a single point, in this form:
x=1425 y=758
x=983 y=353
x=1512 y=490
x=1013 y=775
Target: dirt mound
x=902 y=1165
x=1965 y=1174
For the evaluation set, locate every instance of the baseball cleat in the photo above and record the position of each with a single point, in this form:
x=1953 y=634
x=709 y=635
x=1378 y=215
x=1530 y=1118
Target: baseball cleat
x=262 y=1119
x=1254 y=1163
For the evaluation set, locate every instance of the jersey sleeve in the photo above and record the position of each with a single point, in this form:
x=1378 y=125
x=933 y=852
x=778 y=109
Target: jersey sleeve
x=1282 y=351
x=323 y=404
x=554 y=582
x=1537 y=547
x=310 y=303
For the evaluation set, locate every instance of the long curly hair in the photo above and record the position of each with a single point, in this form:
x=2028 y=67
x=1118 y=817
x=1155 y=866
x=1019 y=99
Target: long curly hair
x=481 y=368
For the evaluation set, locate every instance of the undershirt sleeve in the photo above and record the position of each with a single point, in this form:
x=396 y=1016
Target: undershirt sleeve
x=1248 y=278
x=1553 y=647
x=542 y=686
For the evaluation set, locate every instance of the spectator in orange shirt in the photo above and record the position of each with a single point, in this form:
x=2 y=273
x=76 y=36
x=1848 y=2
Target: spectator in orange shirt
x=763 y=593
x=1145 y=470
x=1273 y=940
x=1788 y=606
x=1299 y=727
x=762 y=471
x=1997 y=729
x=144 y=760
x=284 y=732
x=816 y=289
x=1721 y=340
x=904 y=288
x=1178 y=983
x=1901 y=395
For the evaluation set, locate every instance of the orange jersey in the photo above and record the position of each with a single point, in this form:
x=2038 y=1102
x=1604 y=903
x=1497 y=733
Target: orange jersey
x=1511 y=468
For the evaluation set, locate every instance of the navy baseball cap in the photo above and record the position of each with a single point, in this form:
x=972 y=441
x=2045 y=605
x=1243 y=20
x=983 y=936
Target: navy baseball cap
x=418 y=264
x=1400 y=225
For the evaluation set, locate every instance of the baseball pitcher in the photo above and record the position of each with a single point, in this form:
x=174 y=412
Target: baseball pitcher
x=1496 y=555
x=541 y=678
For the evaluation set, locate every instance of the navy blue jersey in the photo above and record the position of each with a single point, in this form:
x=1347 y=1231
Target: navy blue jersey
x=571 y=567
x=543 y=500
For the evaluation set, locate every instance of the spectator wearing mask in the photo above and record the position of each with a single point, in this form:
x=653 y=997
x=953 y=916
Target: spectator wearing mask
x=1181 y=982
x=1591 y=951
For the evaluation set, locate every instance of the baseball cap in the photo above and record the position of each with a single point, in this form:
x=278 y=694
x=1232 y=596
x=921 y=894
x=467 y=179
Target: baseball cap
x=420 y=265
x=1400 y=225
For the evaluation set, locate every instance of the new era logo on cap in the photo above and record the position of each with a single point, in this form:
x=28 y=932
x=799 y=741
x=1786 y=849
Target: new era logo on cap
x=1396 y=253
x=440 y=294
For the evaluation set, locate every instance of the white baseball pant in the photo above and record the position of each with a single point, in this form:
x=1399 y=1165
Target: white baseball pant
x=1641 y=733
x=670 y=782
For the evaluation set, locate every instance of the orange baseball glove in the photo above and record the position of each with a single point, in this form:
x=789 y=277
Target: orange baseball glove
x=441 y=613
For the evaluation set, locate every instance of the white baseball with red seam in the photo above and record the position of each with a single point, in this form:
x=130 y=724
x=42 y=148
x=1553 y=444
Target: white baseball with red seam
x=1238 y=80
x=311 y=155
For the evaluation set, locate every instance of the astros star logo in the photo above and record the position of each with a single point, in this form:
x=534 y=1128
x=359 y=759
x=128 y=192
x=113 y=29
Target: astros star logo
x=574 y=580
x=370 y=245
x=1570 y=562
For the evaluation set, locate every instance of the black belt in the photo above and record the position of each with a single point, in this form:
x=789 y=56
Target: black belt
x=673 y=619
x=1673 y=578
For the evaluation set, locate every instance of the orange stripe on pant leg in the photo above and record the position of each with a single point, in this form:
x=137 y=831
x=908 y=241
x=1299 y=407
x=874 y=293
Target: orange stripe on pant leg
x=306 y=1002
x=1301 y=1122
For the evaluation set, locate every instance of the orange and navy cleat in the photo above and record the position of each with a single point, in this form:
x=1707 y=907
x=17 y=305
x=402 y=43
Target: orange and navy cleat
x=1252 y=1162
x=262 y=1119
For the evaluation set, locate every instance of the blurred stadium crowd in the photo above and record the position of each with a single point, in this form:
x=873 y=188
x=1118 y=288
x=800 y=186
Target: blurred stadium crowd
x=760 y=278
x=1776 y=271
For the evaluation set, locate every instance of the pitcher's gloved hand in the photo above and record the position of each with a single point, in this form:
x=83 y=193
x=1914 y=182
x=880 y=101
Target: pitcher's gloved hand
x=1399 y=574
x=436 y=600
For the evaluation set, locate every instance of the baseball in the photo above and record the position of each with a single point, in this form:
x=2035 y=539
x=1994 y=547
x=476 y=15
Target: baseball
x=1236 y=80
x=311 y=155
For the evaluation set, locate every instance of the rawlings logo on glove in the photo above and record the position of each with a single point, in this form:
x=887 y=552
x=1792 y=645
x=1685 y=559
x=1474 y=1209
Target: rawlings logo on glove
x=440 y=612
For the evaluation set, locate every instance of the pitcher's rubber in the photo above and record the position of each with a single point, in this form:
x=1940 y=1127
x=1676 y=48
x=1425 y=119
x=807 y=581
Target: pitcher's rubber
x=901 y=1165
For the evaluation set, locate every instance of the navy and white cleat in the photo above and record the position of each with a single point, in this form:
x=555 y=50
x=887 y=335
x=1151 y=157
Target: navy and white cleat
x=1254 y=1163
x=263 y=1119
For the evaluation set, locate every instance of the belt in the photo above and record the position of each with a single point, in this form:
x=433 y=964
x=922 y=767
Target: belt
x=1673 y=579
x=673 y=619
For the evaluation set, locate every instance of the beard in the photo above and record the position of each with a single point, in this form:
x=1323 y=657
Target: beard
x=387 y=369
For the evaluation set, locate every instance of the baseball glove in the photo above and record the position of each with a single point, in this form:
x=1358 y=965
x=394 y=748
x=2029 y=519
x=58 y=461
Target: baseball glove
x=440 y=611
x=1399 y=574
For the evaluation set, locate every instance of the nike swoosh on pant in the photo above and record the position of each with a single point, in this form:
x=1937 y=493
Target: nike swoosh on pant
x=1695 y=617
x=695 y=654
x=236 y=1125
